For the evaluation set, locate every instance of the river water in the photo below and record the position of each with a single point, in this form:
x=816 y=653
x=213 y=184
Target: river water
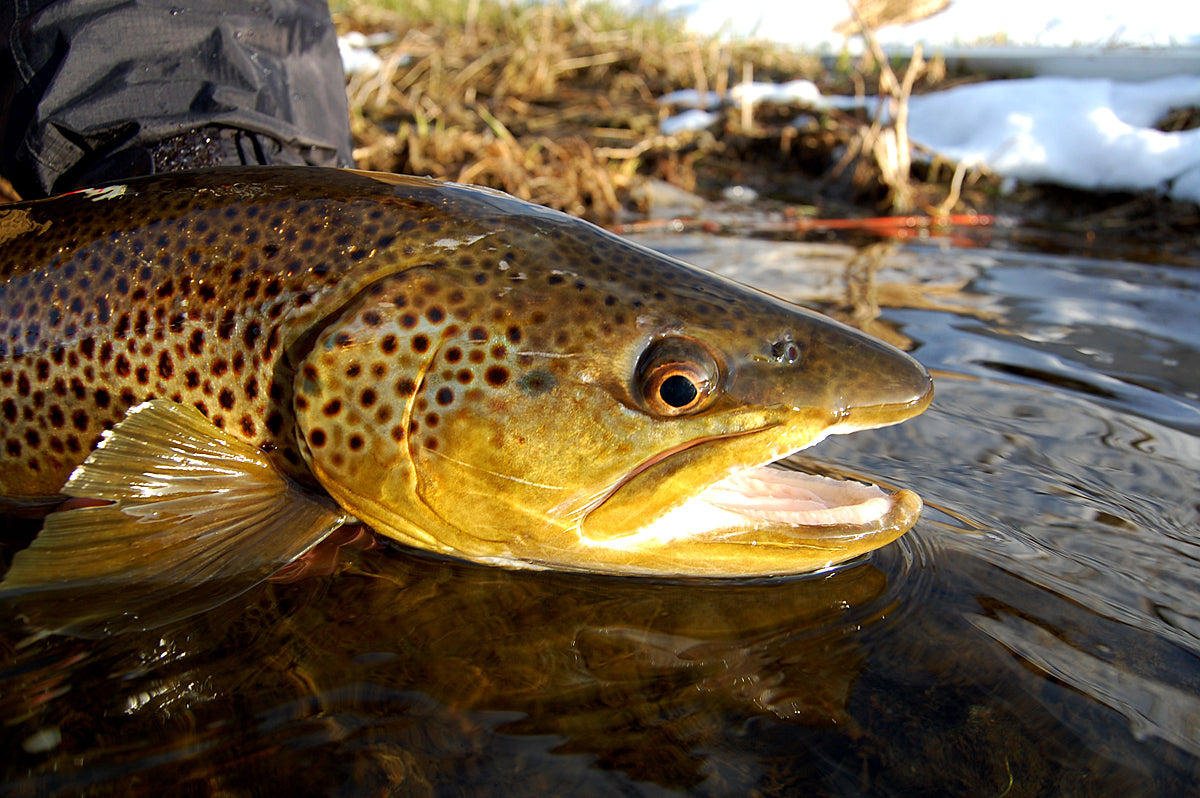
x=1037 y=632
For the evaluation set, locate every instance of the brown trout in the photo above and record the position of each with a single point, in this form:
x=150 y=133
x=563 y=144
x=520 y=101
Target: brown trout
x=222 y=367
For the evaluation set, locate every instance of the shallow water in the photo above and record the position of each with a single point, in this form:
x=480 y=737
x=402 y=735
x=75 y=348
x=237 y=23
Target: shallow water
x=1037 y=633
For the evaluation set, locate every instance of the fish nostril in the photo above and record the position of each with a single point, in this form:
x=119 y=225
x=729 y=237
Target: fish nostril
x=786 y=351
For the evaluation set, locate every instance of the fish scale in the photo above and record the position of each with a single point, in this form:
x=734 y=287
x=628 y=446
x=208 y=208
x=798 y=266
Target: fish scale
x=220 y=368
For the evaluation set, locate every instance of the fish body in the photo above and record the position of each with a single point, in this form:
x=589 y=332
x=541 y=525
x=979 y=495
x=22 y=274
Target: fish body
x=258 y=356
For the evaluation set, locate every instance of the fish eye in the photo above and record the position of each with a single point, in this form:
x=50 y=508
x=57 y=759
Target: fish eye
x=677 y=376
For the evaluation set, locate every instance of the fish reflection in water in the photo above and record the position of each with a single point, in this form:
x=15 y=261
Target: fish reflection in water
x=403 y=669
x=1036 y=633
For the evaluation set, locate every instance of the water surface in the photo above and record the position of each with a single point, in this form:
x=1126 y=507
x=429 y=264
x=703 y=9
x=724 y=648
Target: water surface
x=1037 y=633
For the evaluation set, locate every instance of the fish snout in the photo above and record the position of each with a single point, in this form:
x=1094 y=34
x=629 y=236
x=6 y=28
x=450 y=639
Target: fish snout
x=883 y=386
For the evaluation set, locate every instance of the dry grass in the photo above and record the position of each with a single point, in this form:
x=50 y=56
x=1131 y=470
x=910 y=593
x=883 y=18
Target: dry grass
x=557 y=103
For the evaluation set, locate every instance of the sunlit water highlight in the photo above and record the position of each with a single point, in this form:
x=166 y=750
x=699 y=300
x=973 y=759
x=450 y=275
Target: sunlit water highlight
x=1037 y=633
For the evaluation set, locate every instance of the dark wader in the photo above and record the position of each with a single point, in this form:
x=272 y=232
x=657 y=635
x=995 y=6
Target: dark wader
x=99 y=90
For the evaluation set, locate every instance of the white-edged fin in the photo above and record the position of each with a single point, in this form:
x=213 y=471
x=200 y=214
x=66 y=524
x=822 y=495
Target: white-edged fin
x=196 y=517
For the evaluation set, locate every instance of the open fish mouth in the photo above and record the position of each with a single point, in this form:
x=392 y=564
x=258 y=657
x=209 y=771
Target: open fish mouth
x=769 y=505
x=774 y=495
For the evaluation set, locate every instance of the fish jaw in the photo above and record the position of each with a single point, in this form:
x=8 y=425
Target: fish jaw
x=755 y=520
x=763 y=521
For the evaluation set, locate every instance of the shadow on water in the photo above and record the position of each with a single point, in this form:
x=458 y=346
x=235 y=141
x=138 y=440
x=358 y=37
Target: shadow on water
x=1037 y=633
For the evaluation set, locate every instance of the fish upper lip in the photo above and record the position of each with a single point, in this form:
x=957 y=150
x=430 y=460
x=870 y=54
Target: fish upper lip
x=659 y=457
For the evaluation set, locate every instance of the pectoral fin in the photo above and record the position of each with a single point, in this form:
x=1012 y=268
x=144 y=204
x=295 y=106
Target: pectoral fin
x=184 y=517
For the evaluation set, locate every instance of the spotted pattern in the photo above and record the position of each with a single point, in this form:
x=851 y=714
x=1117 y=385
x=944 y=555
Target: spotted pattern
x=317 y=314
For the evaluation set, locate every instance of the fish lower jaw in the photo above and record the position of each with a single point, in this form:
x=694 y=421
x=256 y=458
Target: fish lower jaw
x=770 y=506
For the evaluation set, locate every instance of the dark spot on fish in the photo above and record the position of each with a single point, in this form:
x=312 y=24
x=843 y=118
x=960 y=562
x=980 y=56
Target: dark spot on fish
x=496 y=376
x=251 y=388
x=166 y=368
x=538 y=382
x=431 y=419
x=192 y=378
x=420 y=343
x=453 y=354
x=248 y=426
x=372 y=318
x=101 y=398
x=225 y=399
x=388 y=345
x=13 y=447
x=444 y=396
x=477 y=334
x=355 y=442
x=368 y=398
x=122 y=328
x=398 y=433
x=121 y=366
x=332 y=407
x=250 y=336
x=431 y=443
x=219 y=367
x=405 y=387
x=353 y=370
x=9 y=408
x=435 y=315
x=408 y=321
x=79 y=419
x=316 y=438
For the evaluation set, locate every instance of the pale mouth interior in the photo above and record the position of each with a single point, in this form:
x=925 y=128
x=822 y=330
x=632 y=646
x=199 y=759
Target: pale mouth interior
x=782 y=506
x=776 y=496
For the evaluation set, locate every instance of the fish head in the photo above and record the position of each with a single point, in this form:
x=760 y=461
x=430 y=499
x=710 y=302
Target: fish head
x=549 y=395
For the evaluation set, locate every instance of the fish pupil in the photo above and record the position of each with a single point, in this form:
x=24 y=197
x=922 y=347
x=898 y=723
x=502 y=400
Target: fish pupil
x=677 y=391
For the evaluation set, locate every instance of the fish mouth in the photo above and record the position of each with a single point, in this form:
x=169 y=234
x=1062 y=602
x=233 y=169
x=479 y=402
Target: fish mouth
x=763 y=504
x=767 y=504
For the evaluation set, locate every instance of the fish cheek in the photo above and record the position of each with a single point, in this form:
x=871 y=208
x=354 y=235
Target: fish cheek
x=519 y=456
